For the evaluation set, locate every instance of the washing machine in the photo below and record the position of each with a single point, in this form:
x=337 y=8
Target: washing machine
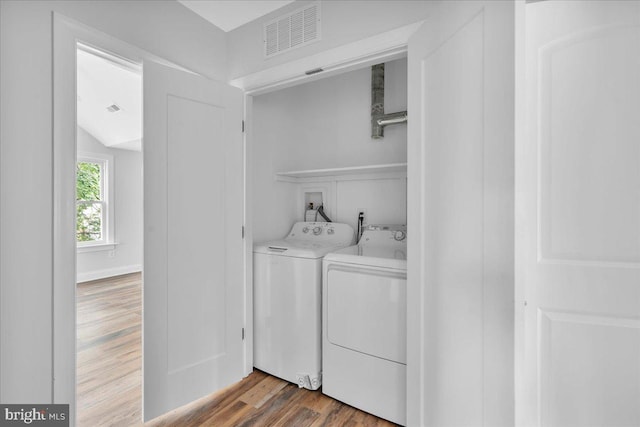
x=287 y=285
x=364 y=323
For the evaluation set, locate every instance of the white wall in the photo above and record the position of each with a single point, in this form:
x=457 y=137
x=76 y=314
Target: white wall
x=343 y=22
x=327 y=124
x=384 y=201
x=165 y=28
x=127 y=201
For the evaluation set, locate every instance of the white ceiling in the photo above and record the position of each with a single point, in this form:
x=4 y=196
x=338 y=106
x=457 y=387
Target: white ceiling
x=103 y=82
x=230 y=14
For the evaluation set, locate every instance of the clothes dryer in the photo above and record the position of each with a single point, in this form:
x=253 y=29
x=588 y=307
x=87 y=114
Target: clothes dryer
x=364 y=323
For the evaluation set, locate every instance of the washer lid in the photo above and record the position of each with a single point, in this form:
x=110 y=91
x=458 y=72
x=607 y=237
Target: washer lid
x=389 y=256
x=297 y=248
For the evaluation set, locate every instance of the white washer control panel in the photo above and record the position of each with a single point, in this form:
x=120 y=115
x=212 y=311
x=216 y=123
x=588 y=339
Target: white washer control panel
x=321 y=232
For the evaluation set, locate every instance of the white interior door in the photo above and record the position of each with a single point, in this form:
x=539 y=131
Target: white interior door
x=460 y=205
x=193 y=191
x=579 y=176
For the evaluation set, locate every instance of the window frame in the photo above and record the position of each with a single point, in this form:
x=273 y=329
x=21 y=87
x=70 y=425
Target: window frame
x=107 y=194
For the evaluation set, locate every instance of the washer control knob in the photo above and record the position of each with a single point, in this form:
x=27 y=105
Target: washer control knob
x=317 y=230
x=399 y=235
x=330 y=231
x=305 y=230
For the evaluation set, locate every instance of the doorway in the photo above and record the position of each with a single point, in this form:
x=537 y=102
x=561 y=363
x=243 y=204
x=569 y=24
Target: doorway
x=109 y=236
x=179 y=101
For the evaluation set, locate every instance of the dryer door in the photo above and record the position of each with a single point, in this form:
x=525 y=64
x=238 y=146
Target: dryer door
x=366 y=311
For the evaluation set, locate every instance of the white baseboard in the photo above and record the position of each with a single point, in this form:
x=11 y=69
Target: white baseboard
x=109 y=272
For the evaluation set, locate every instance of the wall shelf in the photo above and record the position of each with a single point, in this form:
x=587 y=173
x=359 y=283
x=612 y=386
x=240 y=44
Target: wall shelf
x=390 y=170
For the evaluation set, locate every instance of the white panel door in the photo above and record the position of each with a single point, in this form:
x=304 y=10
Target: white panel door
x=460 y=206
x=193 y=203
x=579 y=223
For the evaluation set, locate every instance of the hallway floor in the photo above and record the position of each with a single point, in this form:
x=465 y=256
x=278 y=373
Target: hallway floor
x=109 y=351
x=109 y=376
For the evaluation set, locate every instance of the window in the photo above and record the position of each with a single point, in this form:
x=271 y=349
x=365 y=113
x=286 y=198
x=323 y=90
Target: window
x=93 y=201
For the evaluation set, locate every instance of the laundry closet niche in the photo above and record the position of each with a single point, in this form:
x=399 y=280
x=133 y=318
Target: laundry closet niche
x=314 y=140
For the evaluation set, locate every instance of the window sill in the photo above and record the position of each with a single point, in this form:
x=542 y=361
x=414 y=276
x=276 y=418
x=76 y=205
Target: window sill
x=97 y=247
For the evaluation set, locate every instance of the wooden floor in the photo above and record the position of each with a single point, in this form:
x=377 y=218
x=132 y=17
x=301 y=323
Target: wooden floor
x=109 y=346
x=263 y=400
x=110 y=376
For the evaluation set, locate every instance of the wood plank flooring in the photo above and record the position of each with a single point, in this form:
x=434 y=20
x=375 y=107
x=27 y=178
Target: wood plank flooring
x=109 y=351
x=263 y=400
x=110 y=376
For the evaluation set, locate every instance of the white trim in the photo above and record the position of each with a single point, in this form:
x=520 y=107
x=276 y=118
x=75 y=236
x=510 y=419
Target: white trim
x=96 y=247
x=362 y=53
x=248 y=236
x=116 y=60
x=64 y=241
x=521 y=412
x=109 y=272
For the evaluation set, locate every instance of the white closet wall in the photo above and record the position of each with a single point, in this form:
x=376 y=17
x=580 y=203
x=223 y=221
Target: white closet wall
x=327 y=124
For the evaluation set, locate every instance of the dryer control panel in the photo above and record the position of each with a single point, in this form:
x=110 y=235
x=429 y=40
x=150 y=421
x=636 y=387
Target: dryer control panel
x=384 y=234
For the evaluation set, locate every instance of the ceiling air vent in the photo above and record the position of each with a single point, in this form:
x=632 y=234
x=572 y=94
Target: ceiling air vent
x=113 y=108
x=293 y=30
